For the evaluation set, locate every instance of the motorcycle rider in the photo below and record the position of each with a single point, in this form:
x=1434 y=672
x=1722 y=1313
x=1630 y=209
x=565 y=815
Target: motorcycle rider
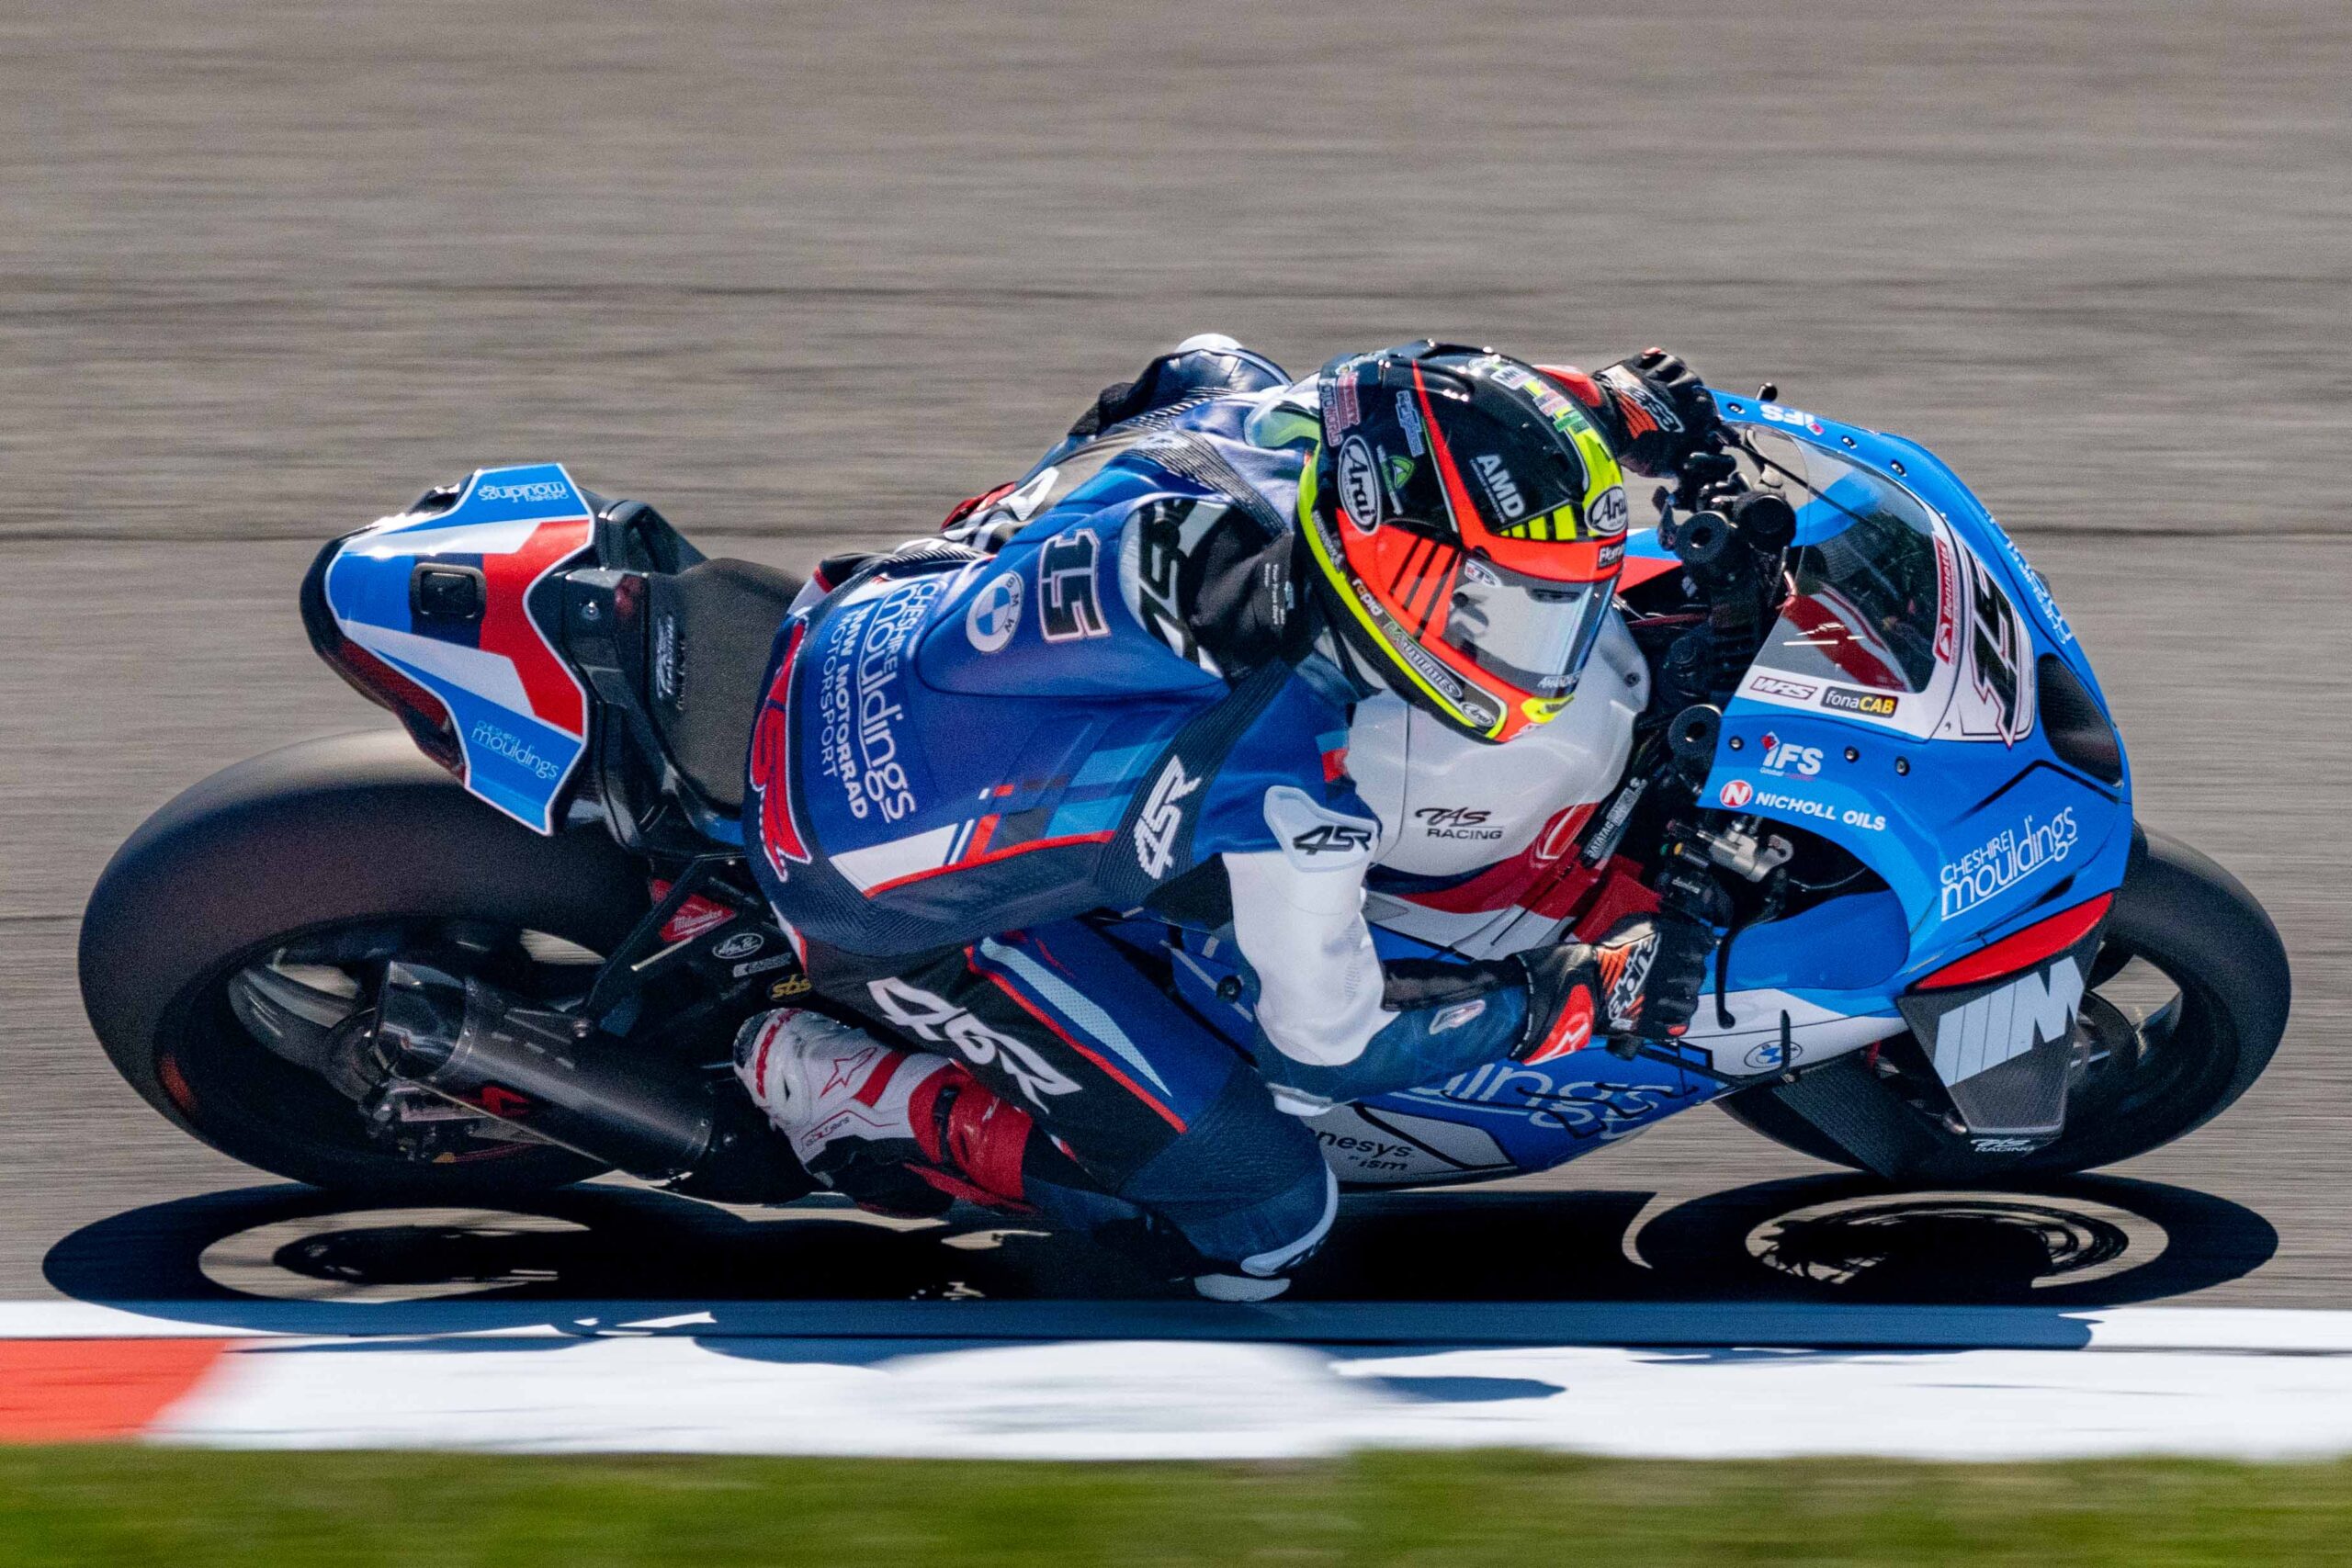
x=1003 y=783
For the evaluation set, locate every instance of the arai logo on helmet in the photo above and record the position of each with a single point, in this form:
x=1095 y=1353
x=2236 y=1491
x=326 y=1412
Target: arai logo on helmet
x=1359 y=483
x=995 y=613
x=1609 y=514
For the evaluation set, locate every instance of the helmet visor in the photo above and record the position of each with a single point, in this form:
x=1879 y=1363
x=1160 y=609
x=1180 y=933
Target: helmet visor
x=1528 y=631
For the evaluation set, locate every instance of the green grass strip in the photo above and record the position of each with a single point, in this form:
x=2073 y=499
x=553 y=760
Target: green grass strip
x=189 y=1509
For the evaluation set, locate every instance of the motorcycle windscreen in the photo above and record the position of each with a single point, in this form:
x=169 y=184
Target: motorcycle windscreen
x=1872 y=593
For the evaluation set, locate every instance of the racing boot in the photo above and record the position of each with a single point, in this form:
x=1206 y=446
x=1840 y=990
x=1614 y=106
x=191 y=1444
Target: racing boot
x=905 y=1133
x=898 y=1132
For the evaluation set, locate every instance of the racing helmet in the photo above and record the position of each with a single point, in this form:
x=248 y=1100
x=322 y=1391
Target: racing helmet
x=1468 y=522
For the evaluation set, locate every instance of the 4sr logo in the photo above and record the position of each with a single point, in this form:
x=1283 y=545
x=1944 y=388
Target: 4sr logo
x=1782 y=758
x=1333 y=838
x=1162 y=819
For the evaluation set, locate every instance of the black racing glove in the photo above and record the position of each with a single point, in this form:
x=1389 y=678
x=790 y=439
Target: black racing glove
x=1692 y=904
x=1563 y=988
x=1640 y=981
x=1664 y=411
x=1652 y=967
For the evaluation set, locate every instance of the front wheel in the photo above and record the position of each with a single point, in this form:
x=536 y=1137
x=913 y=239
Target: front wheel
x=284 y=885
x=2188 y=1000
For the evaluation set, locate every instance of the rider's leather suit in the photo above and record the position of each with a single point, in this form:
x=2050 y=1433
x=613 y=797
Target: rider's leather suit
x=1005 y=787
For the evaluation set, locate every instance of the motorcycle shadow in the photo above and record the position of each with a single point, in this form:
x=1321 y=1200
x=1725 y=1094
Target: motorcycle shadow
x=295 y=1259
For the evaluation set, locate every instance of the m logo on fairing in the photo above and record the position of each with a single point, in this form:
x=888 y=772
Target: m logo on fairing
x=2032 y=1009
x=1156 y=829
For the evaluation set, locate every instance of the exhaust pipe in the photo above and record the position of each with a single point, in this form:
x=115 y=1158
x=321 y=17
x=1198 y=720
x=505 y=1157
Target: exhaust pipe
x=655 y=1118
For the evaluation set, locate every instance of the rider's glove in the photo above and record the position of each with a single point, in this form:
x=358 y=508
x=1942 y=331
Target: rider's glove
x=1652 y=967
x=1640 y=981
x=1692 y=904
x=1664 y=410
x=1564 y=990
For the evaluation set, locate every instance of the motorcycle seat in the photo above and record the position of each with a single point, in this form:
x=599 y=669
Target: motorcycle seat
x=712 y=627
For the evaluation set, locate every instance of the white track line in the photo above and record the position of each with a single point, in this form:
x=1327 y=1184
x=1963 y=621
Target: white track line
x=1137 y=1379
x=1699 y=1323
x=1195 y=1399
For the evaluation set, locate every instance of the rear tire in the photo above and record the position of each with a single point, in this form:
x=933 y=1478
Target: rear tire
x=2190 y=920
x=352 y=829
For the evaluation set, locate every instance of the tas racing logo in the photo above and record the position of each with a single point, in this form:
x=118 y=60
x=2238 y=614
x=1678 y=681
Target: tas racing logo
x=928 y=1017
x=1162 y=819
x=1465 y=822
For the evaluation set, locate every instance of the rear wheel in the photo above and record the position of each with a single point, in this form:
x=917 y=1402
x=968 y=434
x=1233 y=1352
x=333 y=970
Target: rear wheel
x=2187 y=1003
x=270 y=896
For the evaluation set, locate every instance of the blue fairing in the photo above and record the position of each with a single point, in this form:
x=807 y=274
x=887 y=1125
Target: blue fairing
x=1933 y=770
x=1977 y=834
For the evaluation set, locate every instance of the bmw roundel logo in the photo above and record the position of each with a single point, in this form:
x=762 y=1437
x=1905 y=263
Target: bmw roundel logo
x=995 y=613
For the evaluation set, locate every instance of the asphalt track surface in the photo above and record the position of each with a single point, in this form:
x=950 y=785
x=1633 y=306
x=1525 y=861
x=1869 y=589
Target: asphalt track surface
x=803 y=274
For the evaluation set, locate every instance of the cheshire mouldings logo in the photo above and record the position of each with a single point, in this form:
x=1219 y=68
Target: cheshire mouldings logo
x=536 y=489
x=511 y=747
x=2006 y=858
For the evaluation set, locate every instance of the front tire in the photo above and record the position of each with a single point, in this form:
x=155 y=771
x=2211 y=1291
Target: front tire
x=348 y=832
x=2177 y=913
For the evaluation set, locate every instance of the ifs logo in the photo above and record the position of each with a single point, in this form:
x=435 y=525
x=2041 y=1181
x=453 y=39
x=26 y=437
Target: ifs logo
x=1782 y=758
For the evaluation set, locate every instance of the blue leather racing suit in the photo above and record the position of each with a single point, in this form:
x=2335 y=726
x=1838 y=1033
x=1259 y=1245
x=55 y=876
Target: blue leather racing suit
x=1007 y=791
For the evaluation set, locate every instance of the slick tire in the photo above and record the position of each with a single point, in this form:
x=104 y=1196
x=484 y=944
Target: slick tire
x=341 y=831
x=2180 y=912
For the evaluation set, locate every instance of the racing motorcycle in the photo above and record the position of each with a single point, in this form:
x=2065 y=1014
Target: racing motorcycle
x=508 y=948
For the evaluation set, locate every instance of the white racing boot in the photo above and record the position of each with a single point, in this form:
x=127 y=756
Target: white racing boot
x=900 y=1131
x=827 y=1085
